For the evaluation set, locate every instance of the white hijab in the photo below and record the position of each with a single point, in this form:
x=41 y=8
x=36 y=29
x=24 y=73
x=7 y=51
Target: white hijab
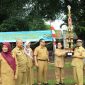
x=28 y=51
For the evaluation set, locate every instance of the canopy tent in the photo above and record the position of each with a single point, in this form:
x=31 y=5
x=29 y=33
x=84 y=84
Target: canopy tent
x=29 y=35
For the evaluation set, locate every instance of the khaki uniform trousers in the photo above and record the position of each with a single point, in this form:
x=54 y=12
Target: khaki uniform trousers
x=30 y=75
x=22 y=78
x=59 y=72
x=78 y=75
x=30 y=79
x=42 y=71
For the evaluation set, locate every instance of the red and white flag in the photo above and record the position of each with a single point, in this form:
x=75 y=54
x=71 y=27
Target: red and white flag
x=53 y=36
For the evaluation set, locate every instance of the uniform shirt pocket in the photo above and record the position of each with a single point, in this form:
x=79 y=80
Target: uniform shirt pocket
x=19 y=53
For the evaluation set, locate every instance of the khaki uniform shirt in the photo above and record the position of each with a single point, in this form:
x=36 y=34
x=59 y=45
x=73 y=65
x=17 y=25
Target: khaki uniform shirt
x=5 y=68
x=59 y=58
x=79 y=53
x=21 y=58
x=7 y=73
x=41 y=53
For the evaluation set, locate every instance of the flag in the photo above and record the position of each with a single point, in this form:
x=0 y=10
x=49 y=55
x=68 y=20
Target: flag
x=53 y=36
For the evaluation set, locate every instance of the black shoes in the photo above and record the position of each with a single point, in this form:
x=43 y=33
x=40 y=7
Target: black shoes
x=57 y=84
x=45 y=84
x=60 y=84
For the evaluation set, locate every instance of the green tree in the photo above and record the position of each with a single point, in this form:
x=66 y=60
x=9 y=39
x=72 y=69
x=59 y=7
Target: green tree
x=14 y=24
x=38 y=10
x=78 y=14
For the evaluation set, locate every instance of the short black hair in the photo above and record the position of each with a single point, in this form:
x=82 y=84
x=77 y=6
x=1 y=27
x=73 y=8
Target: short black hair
x=61 y=44
x=41 y=40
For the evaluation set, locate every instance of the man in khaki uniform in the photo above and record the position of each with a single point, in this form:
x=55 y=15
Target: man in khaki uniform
x=59 y=64
x=77 y=63
x=41 y=61
x=22 y=61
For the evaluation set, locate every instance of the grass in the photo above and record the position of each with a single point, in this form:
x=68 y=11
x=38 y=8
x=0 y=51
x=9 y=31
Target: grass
x=68 y=78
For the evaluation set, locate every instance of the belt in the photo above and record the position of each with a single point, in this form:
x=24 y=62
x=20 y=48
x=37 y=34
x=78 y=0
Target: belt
x=42 y=60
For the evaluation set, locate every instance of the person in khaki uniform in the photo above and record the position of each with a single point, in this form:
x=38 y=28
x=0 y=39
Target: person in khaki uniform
x=77 y=63
x=29 y=54
x=8 y=65
x=22 y=63
x=41 y=61
x=59 y=64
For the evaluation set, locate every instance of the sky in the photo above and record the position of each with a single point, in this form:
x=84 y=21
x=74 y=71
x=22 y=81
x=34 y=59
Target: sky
x=56 y=24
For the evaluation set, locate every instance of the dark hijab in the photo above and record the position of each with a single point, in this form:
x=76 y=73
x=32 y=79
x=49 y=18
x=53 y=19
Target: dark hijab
x=8 y=56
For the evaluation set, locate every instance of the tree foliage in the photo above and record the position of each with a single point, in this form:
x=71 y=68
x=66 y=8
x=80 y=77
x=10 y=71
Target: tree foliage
x=18 y=15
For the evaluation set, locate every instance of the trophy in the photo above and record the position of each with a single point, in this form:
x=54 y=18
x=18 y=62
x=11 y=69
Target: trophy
x=69 y=34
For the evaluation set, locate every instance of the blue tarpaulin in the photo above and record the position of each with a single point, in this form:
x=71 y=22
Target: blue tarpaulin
x=25 y=35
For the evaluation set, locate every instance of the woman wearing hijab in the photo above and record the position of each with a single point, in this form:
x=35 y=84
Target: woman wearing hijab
x=29 y=53
x=8 y=69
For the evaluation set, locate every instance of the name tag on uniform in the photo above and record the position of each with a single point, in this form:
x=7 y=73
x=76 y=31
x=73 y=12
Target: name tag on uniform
x=69 y=53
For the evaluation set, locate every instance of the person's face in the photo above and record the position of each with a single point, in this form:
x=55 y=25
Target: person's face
x=19 y=44
x=42 y=43
x=28 y=45
x=59 y=45
x=5 y=48
x=79 y=44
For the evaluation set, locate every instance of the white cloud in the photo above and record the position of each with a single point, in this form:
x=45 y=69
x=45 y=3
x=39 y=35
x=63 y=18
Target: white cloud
x=56 y=24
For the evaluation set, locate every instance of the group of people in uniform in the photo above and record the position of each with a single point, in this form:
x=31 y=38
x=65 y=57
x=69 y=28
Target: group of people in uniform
x=16 y=66
x=77 y=63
